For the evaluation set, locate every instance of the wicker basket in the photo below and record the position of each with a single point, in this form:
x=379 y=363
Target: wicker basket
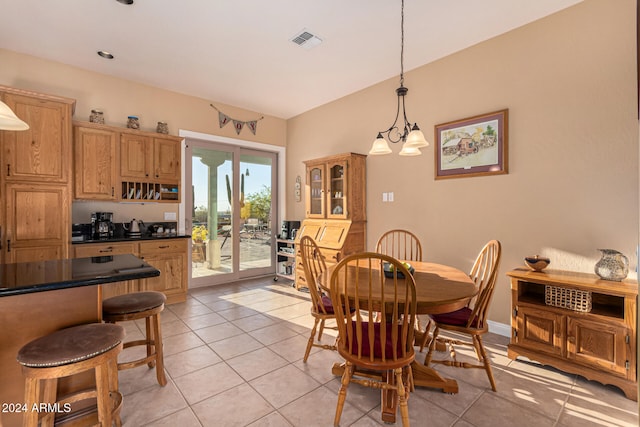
x=571 y=299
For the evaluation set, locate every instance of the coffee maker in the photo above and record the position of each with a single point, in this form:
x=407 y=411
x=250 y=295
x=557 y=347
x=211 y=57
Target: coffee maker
x=102 y=225
x=287 y=229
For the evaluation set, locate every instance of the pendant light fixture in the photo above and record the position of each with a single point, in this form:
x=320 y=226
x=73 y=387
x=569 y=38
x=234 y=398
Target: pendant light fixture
x=9 y=120
x=411 y=136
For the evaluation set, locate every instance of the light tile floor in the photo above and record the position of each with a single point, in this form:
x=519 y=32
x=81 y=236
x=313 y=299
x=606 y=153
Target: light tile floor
x=233 y=356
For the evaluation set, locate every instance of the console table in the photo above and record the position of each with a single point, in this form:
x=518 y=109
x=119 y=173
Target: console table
x=577 y=323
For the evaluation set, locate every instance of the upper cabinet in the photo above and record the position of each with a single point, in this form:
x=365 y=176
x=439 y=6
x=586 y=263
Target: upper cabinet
x=336 y=187
x=95 y=174
x=114 y=163
x=42 y=153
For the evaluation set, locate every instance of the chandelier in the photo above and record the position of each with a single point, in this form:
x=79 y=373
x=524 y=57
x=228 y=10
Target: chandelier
x=411 y=136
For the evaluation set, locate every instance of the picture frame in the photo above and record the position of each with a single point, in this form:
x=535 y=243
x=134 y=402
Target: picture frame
x=474 y=146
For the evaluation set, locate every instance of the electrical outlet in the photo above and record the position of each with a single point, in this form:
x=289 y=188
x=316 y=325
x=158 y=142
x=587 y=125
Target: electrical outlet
x=169 y=216
x=385 y=197
x=390 y=196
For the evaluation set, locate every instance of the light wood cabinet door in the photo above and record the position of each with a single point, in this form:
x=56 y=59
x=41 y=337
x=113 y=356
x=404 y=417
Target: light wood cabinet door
x=37 y=225
x=42 y=153
x=136 y=157
x=106 y=250
x=166 y=159
x=95 y=164
x=170 y=257
x=541 y=330
x=599 y=344
x=315 y=192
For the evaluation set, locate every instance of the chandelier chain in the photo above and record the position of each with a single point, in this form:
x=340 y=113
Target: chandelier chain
x=402 y=44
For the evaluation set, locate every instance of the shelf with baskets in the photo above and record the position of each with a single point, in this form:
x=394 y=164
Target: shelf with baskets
x=577 y=323
x=285 y=259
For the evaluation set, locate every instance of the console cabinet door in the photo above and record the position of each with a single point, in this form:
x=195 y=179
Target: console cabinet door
x=599 y=344
x=100 y=250
x=36 y=222
x=541 y=330
x=170 y=257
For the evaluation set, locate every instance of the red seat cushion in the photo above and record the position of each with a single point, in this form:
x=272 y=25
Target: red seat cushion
x=377 y=347
x=456 y=318
x=326 y=303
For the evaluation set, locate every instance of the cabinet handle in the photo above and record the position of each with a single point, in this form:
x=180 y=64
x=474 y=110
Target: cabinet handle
x=163 y=247
x=8 y=169
x=8 y=245
x=112 y=191
x=109 y=249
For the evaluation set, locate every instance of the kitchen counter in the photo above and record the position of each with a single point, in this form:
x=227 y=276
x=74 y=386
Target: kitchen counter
x=134 y=239
x=29 y=277
x=38 y=298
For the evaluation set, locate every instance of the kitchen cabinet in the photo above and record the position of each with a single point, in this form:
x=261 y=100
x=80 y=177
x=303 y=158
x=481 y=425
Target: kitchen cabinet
x=95 y=154
x=167 y=255
x=43 y=152
x=576 y=323
x=122 y=164
x=144 y=158
x=35 y=187
x=103 y=252
x=336 y=187
x=170 y=257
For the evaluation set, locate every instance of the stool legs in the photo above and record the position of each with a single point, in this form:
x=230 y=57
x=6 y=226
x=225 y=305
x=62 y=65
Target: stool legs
x=156 y=338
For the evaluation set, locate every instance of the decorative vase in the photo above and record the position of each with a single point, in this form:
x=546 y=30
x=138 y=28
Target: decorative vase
x=612 y=266
x=133 y=122
x=96 y=117
x=162 y=128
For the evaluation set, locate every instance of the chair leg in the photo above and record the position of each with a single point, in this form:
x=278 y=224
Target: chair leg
x=311 y=339
x=150 y=340
x=321 y=330
x=425 y=336
x=342 y=394
x=103 y=397
x=114 y=387
x=50 y=393
x=31 y=397
x=485 y=360
x=157 y=339
x=402 y=398
x=432 y=346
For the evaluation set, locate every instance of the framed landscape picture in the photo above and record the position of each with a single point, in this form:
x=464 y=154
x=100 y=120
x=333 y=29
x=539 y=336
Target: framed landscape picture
x=474 y=146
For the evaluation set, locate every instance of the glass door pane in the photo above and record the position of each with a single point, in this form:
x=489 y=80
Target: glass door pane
x=232 y=206
x=212 y=180
x=256 y=207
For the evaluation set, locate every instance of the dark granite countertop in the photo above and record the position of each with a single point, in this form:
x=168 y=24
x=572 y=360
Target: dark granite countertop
x=133 y=239
x=29 y=277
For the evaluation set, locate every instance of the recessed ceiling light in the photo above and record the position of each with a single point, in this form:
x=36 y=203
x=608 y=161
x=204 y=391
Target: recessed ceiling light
x=125 y=1
x=105 y=54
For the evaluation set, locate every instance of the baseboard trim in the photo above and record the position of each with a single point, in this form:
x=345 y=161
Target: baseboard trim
x=499 y=328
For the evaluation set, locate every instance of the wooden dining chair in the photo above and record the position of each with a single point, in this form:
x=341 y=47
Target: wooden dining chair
x=382 y=343
x=472 y=319
x=321 y=306
x=404 y=245
x=400 y=244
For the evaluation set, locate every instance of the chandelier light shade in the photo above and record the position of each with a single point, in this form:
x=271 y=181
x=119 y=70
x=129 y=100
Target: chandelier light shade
x=8 y=119
x=411 y=136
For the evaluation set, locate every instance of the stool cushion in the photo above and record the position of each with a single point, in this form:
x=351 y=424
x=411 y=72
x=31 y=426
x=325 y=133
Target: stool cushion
x=133 y=303
x=71 y=345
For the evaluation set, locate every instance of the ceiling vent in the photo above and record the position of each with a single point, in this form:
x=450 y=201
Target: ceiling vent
x=306 y=39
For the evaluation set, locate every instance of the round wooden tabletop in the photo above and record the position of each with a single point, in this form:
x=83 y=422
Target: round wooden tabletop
x=439 y=288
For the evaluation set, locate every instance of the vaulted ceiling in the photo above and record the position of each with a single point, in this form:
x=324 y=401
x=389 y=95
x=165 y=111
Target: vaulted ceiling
x=240 y=52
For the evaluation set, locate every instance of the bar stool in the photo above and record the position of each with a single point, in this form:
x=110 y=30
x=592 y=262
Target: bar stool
x=69 y=351
x=140 y=305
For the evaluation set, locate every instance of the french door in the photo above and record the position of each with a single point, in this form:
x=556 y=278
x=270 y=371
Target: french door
x=230 y=211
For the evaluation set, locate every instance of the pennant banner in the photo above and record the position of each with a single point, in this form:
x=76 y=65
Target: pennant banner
x=223 y=119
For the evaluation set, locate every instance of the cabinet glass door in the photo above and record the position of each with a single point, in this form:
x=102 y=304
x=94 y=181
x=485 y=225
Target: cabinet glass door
x=337 y=191
x=315 y=193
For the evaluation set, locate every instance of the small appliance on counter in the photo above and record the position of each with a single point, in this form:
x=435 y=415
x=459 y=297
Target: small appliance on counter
x=102 y=225
x=134 y=229
x=287 y=229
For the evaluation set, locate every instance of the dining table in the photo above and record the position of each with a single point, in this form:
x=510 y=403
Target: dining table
x=439 y=289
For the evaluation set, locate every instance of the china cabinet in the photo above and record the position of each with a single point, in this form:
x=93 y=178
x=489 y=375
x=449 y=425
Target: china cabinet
x=576 y=323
